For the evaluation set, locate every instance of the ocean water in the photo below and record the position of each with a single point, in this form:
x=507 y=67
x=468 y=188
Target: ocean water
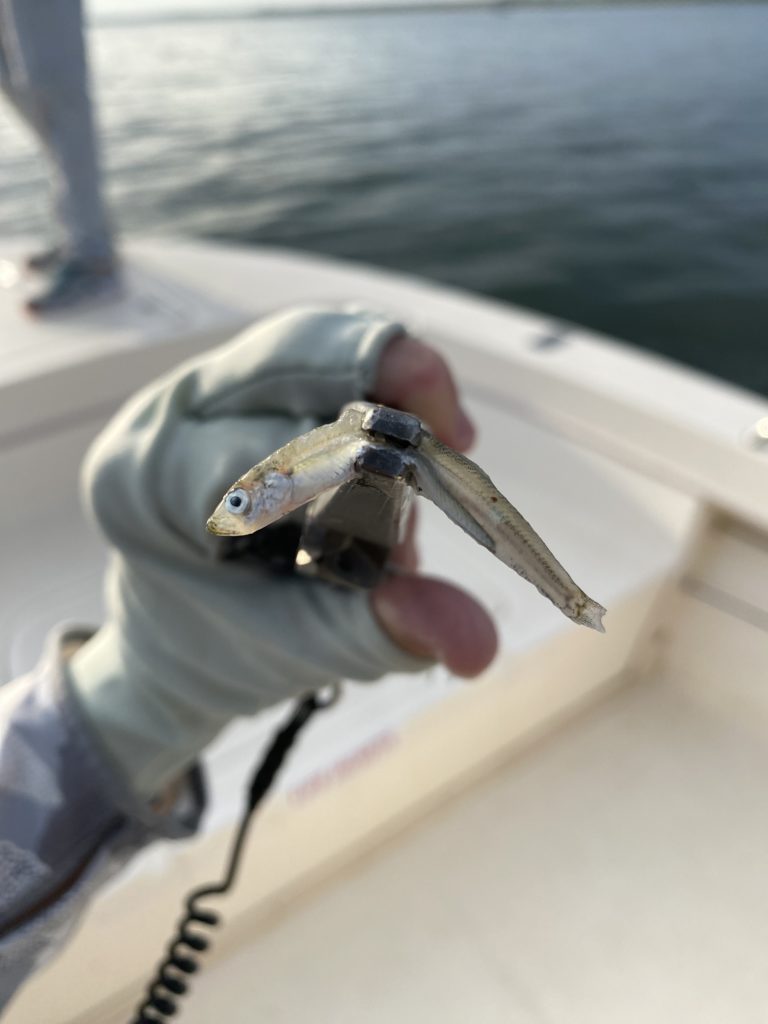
x=608 y=165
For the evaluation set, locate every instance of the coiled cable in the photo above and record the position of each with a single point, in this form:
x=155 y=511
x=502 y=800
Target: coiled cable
x=169 y=981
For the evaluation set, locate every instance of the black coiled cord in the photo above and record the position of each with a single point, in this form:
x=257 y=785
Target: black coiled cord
x=169 y=980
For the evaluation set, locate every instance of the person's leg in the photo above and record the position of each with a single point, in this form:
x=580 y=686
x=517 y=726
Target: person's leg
x=5 y=74
x=47 y=73
x=50 y=258
x=7 y=62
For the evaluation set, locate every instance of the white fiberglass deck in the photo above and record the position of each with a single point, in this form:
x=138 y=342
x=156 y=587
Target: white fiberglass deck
x=615 y=873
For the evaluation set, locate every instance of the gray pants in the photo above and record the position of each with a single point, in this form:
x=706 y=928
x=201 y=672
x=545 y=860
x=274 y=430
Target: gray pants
x=44 y=74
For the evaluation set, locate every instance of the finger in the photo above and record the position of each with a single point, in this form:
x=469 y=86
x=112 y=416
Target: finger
x=413 y=377
x=405 y=555
x=303 y=362
x=431 y=618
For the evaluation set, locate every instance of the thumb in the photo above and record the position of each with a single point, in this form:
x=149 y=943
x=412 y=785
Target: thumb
x=434 y=619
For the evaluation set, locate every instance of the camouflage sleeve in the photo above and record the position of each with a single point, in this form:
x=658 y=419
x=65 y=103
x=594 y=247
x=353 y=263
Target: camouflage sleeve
x=68 y=822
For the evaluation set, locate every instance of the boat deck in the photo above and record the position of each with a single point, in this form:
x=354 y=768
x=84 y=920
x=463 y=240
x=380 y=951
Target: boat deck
x=614 y=873
x=611 y=872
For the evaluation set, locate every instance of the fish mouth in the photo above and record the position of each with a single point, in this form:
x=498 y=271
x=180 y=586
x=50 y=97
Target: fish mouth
x=215 y=526
x=222 y=524
x=211 y=527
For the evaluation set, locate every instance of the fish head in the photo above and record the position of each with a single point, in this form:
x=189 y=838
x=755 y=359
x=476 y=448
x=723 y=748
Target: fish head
x=254 y=501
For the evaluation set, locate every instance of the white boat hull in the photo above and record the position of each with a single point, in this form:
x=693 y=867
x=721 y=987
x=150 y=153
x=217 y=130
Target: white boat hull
x=555 y=891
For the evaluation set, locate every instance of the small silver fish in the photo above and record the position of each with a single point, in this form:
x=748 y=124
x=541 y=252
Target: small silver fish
x=327 y=457
x=289 y=478
x=469 y=497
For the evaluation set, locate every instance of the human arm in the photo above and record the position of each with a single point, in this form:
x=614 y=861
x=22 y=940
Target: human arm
x=97 y=738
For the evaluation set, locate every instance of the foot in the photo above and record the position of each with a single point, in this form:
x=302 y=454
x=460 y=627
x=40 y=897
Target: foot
x=47 y=260
x=76 y=284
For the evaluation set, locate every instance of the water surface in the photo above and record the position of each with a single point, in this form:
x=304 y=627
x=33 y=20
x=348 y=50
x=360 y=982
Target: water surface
x=607 y=165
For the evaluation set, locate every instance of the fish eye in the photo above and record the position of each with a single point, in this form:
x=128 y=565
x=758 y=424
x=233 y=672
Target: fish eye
x=237 y=502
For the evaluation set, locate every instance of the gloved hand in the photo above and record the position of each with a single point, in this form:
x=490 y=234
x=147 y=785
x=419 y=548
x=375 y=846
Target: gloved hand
x=192 y=641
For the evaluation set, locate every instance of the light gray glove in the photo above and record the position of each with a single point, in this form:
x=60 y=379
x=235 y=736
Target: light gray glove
x=192 y=641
